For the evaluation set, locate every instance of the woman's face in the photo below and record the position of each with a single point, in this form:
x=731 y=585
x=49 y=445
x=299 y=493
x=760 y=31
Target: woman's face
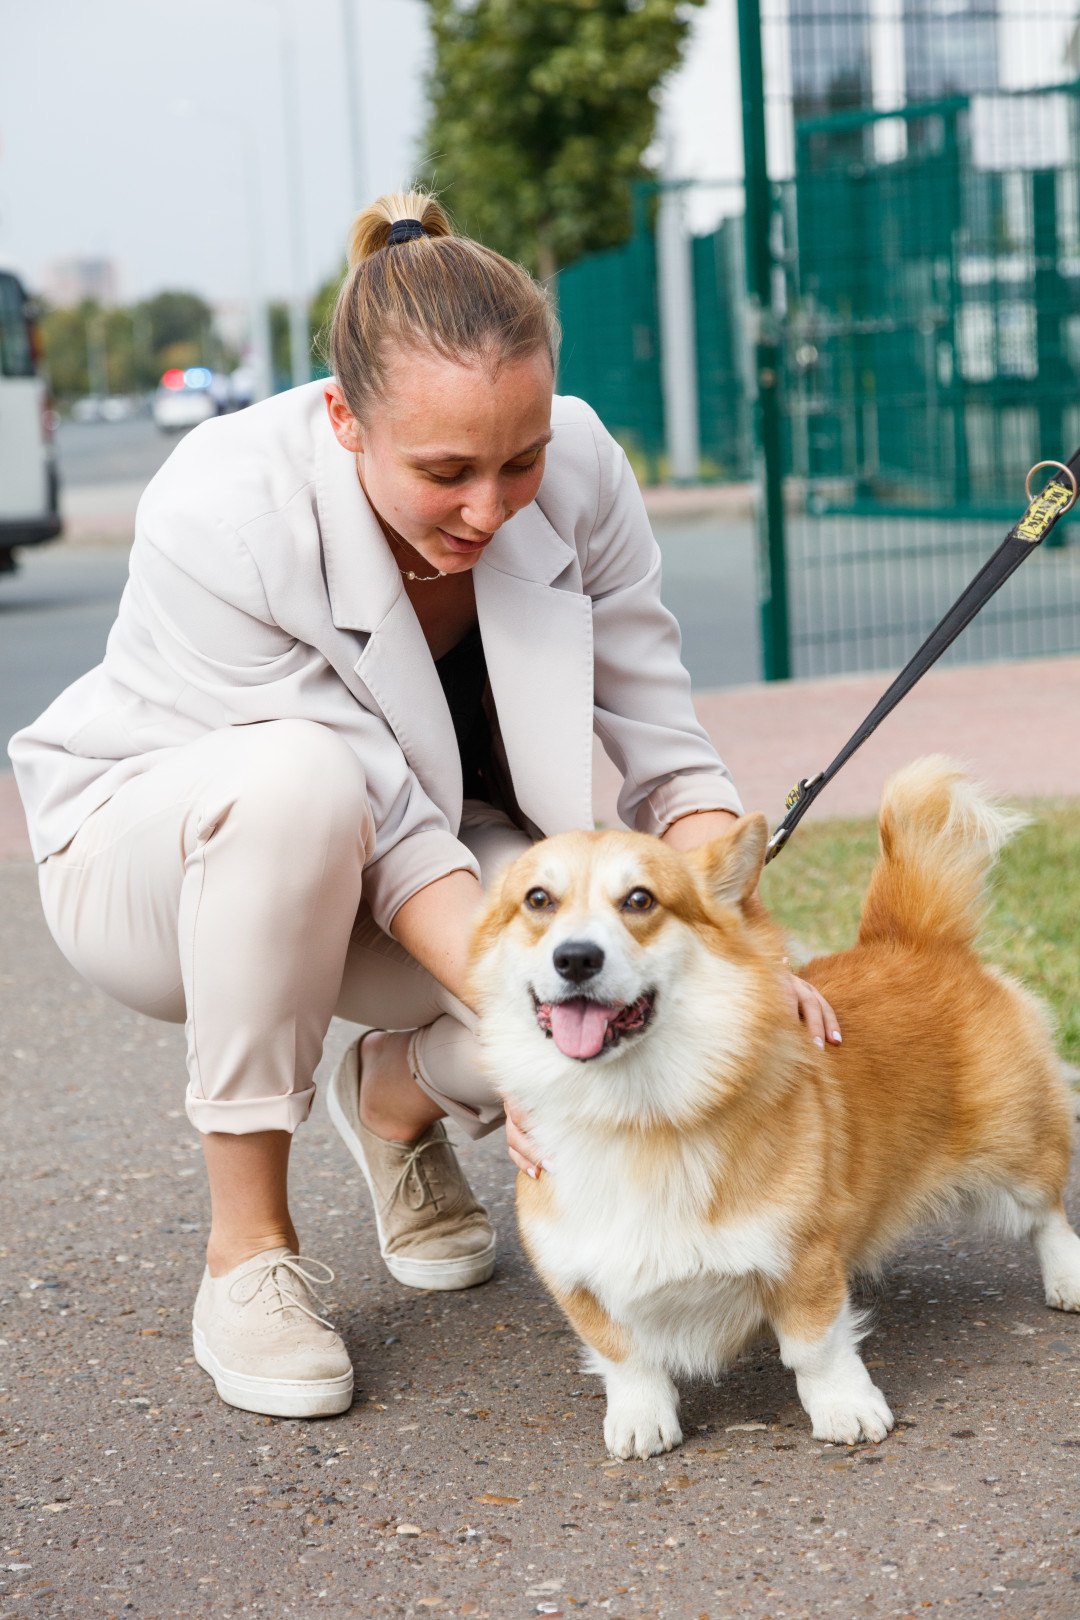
x=452 y=451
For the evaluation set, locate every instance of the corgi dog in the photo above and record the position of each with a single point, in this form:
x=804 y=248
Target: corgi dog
x=715 y=1176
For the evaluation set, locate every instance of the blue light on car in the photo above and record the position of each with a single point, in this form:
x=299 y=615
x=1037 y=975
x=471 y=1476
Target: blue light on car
x=197 y=377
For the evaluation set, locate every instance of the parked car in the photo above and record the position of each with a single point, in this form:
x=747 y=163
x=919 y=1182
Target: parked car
x=29 y=487
x=87 y=409
x=183 y=399
x=241 y=388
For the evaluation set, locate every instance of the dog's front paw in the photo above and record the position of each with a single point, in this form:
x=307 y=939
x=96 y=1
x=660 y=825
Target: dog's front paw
x=641 y=1428
x=844 y=1419
x=1063 y=1293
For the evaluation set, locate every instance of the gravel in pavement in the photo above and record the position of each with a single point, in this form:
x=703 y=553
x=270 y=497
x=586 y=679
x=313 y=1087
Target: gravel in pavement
x=470 y=1476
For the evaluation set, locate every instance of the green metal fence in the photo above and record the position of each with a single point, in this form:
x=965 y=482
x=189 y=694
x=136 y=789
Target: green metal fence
x=931 y=356
x=923 y=306
x=611 y=346
x=611 y=343
x=934 y=308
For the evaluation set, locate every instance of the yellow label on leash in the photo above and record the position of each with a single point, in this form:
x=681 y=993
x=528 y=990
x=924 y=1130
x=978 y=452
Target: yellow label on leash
x=1039 y=516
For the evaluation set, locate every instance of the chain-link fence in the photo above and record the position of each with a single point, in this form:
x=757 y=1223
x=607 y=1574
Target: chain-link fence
x=919 y=328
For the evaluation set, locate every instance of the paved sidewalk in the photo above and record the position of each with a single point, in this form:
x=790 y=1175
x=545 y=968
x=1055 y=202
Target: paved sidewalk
x=1017 y=726
x=14 y=843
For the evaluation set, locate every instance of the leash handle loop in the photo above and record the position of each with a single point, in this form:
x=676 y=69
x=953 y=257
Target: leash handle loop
x=1061 y=466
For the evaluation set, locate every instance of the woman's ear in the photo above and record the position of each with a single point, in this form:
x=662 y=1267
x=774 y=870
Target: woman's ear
x=731 y=865
x=347 y=430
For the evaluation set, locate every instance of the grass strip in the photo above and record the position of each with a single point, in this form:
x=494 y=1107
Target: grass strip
x=1032 y=930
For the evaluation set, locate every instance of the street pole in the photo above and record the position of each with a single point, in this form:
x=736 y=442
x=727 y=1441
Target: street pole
x=299 y=336
x=259 y=341
x=678 y=328
x=353 y=98
x=260 y=345
x=775 y=630
x=142 y=349
x=97 y=354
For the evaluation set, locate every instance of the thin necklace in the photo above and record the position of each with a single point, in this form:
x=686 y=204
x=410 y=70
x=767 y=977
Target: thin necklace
x=407 y=573
x=421 y=579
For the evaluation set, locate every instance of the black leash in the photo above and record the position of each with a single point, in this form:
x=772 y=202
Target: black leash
x=1042 y=513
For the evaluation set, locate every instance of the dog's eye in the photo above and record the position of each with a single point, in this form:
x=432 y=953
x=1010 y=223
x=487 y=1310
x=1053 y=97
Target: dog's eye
x=638 y=900
x=538 y=900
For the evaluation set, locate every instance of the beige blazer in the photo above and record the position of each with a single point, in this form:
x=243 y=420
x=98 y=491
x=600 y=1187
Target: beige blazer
x=261 y=588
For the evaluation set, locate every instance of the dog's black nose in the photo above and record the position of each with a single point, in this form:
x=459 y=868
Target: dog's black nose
x=578 y=960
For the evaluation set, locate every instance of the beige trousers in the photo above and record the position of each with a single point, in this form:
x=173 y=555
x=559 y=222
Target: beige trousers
x=223 y=889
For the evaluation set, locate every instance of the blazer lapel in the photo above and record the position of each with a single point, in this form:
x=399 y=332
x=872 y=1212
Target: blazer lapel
x=397 y=669
x=367 y=596
x=538 y=644
x=536 y=625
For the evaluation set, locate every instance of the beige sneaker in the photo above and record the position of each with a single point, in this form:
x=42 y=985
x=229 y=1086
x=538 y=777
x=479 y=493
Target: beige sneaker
x=267 y=1350
x=432 y=1232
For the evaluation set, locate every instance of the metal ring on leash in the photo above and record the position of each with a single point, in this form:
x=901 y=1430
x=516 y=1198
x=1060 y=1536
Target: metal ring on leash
x=1060 y=465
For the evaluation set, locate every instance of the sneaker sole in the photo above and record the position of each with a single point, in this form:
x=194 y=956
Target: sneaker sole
x=274 y=1397
x=466 y=1272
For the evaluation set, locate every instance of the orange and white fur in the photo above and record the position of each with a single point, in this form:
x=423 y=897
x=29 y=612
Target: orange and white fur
x=716 y=1177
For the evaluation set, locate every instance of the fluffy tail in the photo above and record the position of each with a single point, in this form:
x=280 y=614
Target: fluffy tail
x=940 y=834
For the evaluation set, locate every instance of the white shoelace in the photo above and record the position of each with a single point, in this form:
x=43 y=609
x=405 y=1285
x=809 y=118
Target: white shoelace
x=291 y=1265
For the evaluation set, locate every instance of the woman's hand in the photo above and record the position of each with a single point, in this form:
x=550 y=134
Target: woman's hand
x=518 y=1144
x=808 y=1003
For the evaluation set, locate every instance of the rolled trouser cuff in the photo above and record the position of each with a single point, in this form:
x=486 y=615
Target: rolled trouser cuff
x=242 y=1116
x=448 y=1049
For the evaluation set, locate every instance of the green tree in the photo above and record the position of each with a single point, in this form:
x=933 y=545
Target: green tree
x=320 y=316
x=63 y=334
x=280 y=356
x=136 y=344
x=541 y=112
x=180 y=319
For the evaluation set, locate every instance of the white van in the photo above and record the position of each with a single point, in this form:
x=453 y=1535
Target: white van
x=28 y=480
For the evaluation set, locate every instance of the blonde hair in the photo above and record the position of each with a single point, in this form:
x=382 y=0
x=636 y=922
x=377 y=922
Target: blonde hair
x=437 y=291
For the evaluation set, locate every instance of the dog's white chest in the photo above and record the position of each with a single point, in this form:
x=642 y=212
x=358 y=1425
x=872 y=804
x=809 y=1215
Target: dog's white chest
x=659 y=1268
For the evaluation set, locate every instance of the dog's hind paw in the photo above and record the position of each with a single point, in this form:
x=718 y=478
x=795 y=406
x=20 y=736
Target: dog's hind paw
x=641 y=1430
x=1058 y=1249
x=846 y=1421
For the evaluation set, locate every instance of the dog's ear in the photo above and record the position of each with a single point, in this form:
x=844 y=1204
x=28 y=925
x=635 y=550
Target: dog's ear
x=731 y=865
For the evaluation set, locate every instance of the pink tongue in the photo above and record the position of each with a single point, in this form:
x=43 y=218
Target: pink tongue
x=578 y=1027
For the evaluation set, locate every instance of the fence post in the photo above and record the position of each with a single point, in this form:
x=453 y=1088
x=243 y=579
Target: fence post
x=678 y=349
x=775 y=630
x=1051 y=299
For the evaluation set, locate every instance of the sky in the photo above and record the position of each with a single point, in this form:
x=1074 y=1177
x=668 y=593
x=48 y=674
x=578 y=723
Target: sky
x=124 y=128
x=152 y=132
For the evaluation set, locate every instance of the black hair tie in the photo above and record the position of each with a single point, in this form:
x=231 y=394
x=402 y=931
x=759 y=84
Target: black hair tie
x=404 y=230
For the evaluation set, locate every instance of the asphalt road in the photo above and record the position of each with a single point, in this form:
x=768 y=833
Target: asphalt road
x=470 y=1477
x=111 y=452
x=55 y=613
x=862 y=594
